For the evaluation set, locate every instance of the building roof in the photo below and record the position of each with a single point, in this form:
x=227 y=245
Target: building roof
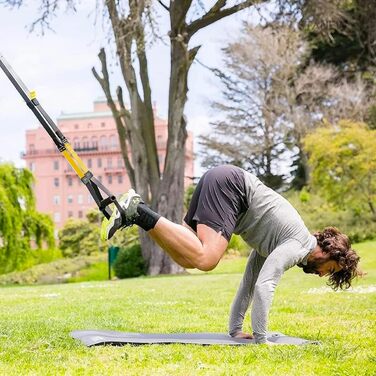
x=84 y=115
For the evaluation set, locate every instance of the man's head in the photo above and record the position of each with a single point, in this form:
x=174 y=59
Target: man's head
x=333 y=256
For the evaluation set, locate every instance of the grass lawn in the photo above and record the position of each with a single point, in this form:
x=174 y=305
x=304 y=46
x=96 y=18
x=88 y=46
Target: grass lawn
x=35 y=323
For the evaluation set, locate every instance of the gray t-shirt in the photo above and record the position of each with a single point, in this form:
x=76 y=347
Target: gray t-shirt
x=280 y=240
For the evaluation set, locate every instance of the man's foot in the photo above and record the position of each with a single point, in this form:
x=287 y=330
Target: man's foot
x=128 y=202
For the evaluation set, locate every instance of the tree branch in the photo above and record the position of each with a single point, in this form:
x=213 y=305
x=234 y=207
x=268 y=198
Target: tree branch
x=215 y=13
x=123 y=130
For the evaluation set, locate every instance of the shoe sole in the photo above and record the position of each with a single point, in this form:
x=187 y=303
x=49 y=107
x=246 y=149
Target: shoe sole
x=108 y=223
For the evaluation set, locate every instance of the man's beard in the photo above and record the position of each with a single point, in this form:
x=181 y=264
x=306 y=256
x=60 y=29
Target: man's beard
x=311 y=267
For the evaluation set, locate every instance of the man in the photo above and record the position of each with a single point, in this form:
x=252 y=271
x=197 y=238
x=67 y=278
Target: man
x=230 y=200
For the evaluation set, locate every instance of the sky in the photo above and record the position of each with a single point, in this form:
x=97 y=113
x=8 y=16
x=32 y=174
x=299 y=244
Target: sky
x=58 y=66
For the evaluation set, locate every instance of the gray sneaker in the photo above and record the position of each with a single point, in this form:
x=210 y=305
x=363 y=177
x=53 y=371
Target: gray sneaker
x=128 y=202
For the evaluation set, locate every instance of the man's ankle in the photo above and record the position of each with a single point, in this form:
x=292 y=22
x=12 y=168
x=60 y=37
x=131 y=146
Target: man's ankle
x=147 y=218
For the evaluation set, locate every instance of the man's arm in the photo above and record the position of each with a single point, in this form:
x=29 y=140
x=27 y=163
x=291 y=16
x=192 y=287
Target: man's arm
x=282 y=258
x=245 y=293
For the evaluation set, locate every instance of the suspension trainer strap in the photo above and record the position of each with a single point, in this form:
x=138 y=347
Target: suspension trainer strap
x=94 y=186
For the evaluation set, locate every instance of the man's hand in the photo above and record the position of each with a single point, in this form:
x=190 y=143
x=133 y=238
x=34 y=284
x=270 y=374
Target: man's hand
x=243 y=335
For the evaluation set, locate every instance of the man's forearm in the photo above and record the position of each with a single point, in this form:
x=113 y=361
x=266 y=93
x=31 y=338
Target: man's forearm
x=245 y=293
x=282 y=258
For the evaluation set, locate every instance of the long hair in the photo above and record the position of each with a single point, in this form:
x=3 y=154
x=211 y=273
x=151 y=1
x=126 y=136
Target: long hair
x=338 y=246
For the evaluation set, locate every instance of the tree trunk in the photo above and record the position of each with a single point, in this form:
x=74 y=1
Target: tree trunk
x=165 y=195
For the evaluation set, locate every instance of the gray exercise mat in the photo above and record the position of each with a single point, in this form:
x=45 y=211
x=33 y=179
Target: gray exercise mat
x=108 y=337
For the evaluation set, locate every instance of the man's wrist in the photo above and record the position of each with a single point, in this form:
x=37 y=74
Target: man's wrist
x=259 y=338
x=234 y=332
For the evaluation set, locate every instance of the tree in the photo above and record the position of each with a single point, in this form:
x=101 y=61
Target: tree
x=130 y=23
x=343 y=162
x=342 y=33
x=258 y=69
x=82 y=237
x=273 y=96
x=164 y=191
x=21 y=226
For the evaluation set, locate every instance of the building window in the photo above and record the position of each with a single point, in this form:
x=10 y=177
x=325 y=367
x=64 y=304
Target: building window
x=89 y=164
x=56 y=165
x=57 y=217
x=109 y=179
x=103 y=125
x=109 y=162
x=76 y=143
x=99 y=162
x=94 y=142
x=76 y=126
x=113 y=142
x=120 y=179
x=80 y=214
x=56 y=200
x=120 y=162
x=70 y=214
x=32 y=166
x=80 y=199
x=85 y=142
x=70 y=181
x=56 y=182
x=70 y=199
x=103 y=142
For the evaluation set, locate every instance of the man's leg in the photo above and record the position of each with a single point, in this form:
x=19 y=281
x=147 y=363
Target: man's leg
x=202 y=251
x=216 y=203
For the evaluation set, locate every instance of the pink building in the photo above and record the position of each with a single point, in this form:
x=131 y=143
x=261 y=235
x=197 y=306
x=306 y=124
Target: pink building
x=93 y=135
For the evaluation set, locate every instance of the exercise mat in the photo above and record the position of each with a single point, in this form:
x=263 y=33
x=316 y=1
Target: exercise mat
x=108 y=337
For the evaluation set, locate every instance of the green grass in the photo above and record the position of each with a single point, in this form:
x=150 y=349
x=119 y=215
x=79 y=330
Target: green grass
x=35 y=323
x=94 y=272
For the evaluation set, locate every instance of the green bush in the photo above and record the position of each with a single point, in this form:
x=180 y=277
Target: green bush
x=317 y=214
x=129 y=262
x=80 y=237
x=237 y=246
x=58 y=271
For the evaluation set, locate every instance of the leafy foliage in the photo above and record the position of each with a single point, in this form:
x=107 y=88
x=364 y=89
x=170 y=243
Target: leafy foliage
x=129 y=262
x=57 y=271
x=82 y=236
x=346 y=36
x=318 y=213
x=258 y=68
x=188 y=195
x=343 y=162
x=22 y=228
x=237 y=246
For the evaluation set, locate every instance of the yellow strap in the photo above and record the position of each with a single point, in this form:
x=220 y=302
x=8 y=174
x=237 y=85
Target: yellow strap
x=78 y=160
x=33 y=94
x=74 y=160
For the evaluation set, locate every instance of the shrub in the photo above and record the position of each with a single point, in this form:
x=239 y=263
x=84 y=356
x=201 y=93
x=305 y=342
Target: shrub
x=317 y=213
x=54 y=272
x=129 y=262
x=237 y=246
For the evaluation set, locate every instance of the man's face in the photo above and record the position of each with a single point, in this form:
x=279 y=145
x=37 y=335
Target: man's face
x=321 y=267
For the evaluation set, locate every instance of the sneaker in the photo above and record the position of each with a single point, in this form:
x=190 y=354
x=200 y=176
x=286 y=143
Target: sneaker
x=128 y=202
